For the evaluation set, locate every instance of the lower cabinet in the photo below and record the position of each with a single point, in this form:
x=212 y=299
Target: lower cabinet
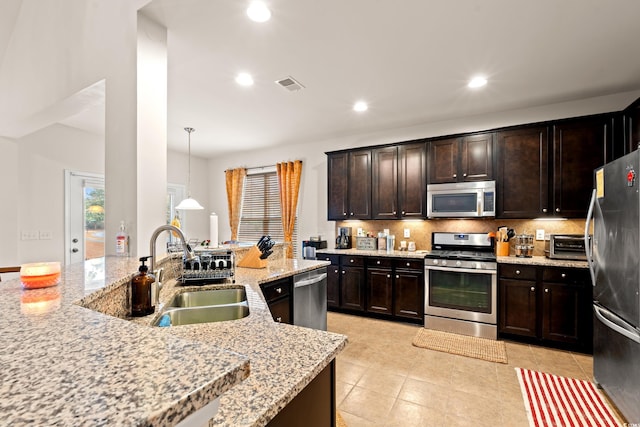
x=278 y=297
x=379 y=286
x=551 y=305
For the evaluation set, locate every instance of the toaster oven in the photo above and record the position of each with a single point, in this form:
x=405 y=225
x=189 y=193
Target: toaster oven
x=566 y=246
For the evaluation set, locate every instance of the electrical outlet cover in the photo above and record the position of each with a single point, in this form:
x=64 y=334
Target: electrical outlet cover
x=407 y=233
x=540 y=234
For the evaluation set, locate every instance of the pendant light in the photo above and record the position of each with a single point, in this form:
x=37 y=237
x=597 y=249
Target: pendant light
x=189 y=203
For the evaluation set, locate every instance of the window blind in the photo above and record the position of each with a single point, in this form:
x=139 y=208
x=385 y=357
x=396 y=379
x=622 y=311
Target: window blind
x=261 y=214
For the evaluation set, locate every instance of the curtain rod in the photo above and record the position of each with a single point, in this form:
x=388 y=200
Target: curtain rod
x=257 y=168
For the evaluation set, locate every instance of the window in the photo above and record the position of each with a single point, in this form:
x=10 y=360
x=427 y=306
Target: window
x=260 y=214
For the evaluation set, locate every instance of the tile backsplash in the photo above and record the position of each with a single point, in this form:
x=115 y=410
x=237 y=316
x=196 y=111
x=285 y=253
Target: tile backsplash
x=420 y=231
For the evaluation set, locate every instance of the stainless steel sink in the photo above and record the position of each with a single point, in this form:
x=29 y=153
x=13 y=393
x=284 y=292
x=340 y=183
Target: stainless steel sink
x=205 y=314
x=208 y=297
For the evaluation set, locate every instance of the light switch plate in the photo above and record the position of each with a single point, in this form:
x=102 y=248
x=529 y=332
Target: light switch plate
x=29 y=235
x=46 y=235
x=540 y=234
x=407 y=233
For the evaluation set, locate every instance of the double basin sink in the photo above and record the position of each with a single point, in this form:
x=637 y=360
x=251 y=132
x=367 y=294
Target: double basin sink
x=213 y=305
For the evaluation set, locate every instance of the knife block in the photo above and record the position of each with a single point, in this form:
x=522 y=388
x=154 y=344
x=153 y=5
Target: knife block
x=252 y=259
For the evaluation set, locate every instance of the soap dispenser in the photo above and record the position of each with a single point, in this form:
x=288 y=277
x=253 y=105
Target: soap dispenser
x=141 y=287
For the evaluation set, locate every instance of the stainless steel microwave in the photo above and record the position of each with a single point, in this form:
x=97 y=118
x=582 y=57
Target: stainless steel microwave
x=462 y=200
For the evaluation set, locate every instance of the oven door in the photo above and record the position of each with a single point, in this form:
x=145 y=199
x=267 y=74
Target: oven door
x=459 y=293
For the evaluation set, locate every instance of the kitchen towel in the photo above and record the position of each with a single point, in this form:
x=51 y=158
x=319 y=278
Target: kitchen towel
x=551 y=400
x=213 y=230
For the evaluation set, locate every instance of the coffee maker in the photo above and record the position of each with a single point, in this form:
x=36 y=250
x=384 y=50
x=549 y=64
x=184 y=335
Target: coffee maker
x=343 y=241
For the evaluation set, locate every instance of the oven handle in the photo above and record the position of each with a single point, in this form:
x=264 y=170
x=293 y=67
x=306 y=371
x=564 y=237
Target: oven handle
x=461 y=270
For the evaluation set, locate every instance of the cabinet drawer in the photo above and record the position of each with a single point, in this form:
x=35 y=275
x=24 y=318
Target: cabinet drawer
x=277 y=289
x=410 y=264
x=565 y=275
x=379 y=262
x=352 y=261
x=518 y=271
x=333 y=259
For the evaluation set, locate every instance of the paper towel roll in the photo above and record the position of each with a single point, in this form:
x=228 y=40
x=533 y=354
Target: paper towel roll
x=213 y=230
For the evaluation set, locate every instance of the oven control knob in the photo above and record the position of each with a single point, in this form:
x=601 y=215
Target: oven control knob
x=444 y=262
x=435 y=261
x=458 y=263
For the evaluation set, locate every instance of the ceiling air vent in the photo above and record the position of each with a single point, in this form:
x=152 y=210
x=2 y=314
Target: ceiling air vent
x=290 y=84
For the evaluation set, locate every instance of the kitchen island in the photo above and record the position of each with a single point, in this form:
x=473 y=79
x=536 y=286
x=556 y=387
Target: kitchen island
x=66 y=364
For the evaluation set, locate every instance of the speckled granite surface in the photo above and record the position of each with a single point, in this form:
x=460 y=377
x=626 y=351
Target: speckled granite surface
x=63 y=364
x=394 y=254
x=544 y=261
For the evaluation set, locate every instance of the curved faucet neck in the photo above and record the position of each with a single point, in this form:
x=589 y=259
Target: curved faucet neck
x=188 y=253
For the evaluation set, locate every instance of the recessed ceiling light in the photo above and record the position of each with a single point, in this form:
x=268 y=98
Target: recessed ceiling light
x=477 y=82
x=258 y=11
x=244 y=79
x=360 y=106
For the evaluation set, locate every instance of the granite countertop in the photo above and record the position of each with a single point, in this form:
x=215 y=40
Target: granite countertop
x=543 y=261
x=66 y=364
x=360 y=252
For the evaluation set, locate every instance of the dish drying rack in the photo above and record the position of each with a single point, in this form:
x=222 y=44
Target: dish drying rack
x=210 y=265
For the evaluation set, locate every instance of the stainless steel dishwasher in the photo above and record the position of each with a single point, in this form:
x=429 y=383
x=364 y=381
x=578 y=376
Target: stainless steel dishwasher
x=310 y=299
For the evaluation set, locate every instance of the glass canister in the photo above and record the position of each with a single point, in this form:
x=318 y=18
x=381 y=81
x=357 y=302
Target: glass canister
x=524 y=245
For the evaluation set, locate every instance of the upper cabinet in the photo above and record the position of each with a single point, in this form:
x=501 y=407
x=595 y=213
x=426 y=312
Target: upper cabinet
x=548 y=170
x=631 y=118
x=349 y=185
x=467 y=158
x=399 y=181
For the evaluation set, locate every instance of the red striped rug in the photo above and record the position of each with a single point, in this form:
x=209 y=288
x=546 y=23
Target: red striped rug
x=558 y=401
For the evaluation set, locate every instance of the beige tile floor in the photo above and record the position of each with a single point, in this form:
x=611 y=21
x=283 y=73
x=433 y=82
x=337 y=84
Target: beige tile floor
x=382 y=380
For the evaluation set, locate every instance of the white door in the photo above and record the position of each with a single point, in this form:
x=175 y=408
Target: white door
x=84 y=216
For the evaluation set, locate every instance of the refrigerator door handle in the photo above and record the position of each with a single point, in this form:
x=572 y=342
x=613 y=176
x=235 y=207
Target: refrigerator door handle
x=587 y=243
x=613 y=322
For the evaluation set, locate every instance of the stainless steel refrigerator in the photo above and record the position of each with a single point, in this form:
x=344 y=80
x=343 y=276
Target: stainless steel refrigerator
x=614 y=262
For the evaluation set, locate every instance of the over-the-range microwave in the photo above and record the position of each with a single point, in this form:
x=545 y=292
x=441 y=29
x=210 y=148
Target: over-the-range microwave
x=462 y=200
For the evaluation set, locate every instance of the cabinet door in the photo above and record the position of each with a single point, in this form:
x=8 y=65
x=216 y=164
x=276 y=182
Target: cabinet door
x=409 y=294
x=379 y=291
x=443 y=161
x=522 y=175
x=476 y=158
x=517 y=313
x=359 y=184
x=281 y=310
x=579 y=147
x=632 y=127
x=561 y=312
x=384 y=187
x=352 y=288
x=337 y=166
x=412 y=180
x=333 y=286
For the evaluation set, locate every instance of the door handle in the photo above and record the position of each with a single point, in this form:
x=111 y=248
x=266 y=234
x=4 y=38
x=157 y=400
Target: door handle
x=74 y=250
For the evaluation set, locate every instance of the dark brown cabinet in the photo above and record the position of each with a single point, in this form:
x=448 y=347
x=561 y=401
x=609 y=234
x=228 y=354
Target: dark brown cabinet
x=278 y=297
x=380 y=286
x=399 y=181
x=547 y=304
x=352 y=283
x=467 y=158
x=349 y=185
x=408 y=291
x=548 y=170
x=333 y=280
x=631 y=120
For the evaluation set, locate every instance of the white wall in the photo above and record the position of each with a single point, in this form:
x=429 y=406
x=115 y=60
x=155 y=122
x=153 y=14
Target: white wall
x=39 y=184
x=10 y=198
x=313 y=187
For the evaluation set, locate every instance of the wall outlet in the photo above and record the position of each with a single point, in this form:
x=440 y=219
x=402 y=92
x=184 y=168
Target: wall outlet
x=29 y=235
x=540 y=234
x=407 y=233
x=46 y=235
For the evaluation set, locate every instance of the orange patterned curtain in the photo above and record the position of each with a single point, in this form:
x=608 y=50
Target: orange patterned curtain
x=235 y=180
x=289 y=180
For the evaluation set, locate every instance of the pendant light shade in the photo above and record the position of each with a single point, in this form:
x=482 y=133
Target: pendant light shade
x=189 y=203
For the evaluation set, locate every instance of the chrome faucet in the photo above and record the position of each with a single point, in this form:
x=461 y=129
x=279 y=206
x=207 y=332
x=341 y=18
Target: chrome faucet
x=188 y=252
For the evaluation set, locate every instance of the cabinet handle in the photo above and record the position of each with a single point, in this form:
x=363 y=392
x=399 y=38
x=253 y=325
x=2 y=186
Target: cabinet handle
x=397 y=276
x=533 y=289
x=464 y=174
x=351 y=214
x=351 y=260
x=395 y=213
x=455 y=175
x=557 y=209
x=517 y=271
x=279 y=319
x=544 y=210
x=546 y=290
x=343 y=272
x=388 y=276
x=403 y=212
x=378 y=262
x=344 y=214
x=336 y=271
x=408 y=264
x=563 y=275
x=279 y=290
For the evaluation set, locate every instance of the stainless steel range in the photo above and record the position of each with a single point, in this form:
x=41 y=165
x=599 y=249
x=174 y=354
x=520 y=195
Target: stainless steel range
x=461 y=285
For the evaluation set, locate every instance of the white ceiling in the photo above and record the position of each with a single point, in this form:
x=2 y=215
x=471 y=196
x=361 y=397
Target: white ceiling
x=410 y=59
